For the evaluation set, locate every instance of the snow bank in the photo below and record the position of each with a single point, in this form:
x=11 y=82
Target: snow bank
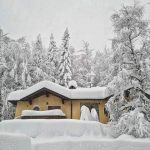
x=55 y=112
x=92 y=144
x=64 y=135
x=79 y=93
x=53 y=128
x=14 y=142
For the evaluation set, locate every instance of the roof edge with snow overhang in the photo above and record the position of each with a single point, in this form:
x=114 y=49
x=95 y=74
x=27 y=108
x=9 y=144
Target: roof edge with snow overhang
x=98 y=93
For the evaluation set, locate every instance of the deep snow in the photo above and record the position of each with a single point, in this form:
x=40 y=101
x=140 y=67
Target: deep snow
x=67 y=134
x=9 y=141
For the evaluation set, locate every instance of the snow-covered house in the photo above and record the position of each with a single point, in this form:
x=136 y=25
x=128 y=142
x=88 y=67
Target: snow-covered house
x=46 y=95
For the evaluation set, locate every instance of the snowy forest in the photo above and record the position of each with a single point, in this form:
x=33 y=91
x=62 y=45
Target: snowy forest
x=125 y=65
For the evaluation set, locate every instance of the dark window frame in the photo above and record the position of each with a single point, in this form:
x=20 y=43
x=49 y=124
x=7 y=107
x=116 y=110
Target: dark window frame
x=36 y=108
x=53 y=107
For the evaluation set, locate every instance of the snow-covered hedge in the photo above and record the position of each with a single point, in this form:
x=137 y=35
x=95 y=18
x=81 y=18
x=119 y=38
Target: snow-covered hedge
x=131 y=123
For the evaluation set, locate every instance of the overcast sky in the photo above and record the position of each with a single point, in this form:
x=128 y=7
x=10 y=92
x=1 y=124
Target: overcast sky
x=87 y=20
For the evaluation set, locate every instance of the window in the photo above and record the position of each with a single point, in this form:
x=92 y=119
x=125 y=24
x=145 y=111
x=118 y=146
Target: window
x=106 y=112
x=54 y=107
x=90 y=106
x=37 y=108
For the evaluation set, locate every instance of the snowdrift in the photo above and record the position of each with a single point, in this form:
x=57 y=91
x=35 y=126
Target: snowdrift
x=53 y=128
x=14 y=142
x=92 y=144
x=64 y=135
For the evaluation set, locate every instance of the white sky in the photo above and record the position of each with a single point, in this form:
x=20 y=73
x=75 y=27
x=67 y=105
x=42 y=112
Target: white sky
x=87 y=20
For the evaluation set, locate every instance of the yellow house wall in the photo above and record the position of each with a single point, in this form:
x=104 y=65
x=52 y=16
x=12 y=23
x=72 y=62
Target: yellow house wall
x=43 y=102
x=52 y=100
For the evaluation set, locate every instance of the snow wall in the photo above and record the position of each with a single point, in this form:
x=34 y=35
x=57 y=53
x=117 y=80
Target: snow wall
x=64 y=135
x=53 y=128
x=14 y=142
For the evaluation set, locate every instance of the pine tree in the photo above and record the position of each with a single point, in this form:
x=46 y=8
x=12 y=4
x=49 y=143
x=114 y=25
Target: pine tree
x=53 y=51
x=85 y=66
x=102 y=68
x=52 y=58
x=64 y=70
x=38 y=64
x=37 y=52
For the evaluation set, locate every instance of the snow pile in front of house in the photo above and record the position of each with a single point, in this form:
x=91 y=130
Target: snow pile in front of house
x=92 y=144
x=53 y=128
x=54 y=112
x=68 y=135
x=10 y=141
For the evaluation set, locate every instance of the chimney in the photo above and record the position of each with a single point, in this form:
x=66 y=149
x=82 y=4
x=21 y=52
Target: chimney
x=72 y=84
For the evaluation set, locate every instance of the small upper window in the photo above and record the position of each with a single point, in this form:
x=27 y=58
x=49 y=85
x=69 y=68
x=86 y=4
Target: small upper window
x=37 y=108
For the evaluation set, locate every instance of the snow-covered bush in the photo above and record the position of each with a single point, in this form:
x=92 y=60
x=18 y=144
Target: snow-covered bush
x=88 y=115
x=94 y=114
x=131 y=123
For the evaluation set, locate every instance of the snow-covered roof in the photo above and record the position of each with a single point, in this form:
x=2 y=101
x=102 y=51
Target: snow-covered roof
x=79 y=93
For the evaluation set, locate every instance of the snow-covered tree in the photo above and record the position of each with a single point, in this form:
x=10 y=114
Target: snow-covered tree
x=103 y=68
x=64 y=70
x=132 y=123
x=37 y=52
x=131 y=56
x=25 y=57
x=52 y=59
x=52 y=53
x=132 y=44
x=37 y=64
x=84 y=66
x=1 y=72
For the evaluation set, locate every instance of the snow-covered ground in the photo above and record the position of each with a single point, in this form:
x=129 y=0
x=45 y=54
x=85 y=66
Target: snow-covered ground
x=9 y=141
x=68 y=135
